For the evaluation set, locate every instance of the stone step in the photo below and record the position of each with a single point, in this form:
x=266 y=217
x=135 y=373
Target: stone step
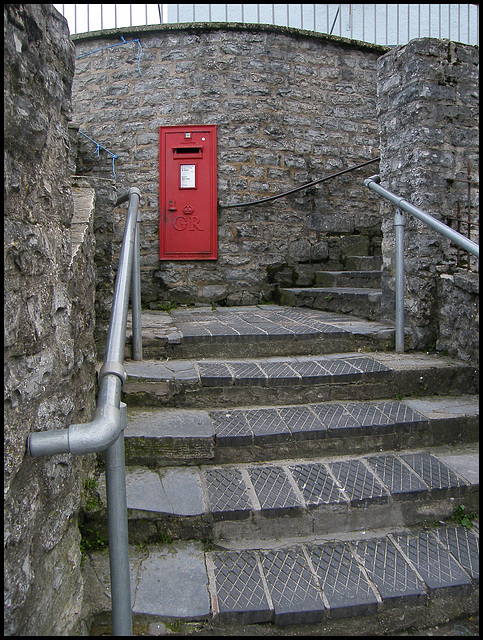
x=267 y=330
x=297 y=379
x=363 y=263
x=344 y=279
x=157 y=437
x=292 y=498
x=374 y=582
x=359 y=301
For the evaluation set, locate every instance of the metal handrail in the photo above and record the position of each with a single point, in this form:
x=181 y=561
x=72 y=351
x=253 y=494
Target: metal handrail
x=304 y=186
x=456 y=237
x=106 y=431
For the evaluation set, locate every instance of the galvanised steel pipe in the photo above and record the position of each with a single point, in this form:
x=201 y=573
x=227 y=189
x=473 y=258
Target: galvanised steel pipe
x=137 y=347
x=448 y=232
x=118 y=534
x=454 y=236
x=399 y=229
x=106 y=431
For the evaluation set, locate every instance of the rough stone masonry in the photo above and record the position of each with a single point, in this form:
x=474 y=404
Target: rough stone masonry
x=290 y=107
x=428 y=104
x=49 y=351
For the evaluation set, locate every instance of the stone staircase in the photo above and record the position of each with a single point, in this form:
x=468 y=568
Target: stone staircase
x=288 y=472
x=356 y=290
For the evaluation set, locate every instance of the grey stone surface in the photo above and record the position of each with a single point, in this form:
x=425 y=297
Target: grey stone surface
x=388 y=569
x=345 y=586
x=172 y=583
x=295 y=594
x=466 y=466
x=238 y=588
x=437 y=567
x=175 y=490
x=175 y=423
x=416 y=123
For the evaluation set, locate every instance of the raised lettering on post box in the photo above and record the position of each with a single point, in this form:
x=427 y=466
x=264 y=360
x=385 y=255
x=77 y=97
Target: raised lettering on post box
x=187 y=193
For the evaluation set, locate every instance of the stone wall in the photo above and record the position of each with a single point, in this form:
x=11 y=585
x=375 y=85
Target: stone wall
x=49 y=353
x=290 y=107
x=428 y=118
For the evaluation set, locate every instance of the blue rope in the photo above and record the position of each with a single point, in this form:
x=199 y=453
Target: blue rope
x=98 y=147
x=118 y=45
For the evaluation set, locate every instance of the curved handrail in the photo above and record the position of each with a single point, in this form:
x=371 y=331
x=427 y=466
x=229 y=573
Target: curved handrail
x=304 y=186
x=99 y=434
x=454 y=236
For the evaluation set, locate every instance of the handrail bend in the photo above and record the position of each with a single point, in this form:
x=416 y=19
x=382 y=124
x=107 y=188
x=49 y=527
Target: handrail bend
x=106 y=431
x=402 y=204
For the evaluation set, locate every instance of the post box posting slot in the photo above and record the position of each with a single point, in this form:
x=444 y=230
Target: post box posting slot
x=188 y=196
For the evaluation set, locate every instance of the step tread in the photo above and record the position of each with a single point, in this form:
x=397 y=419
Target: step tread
x=242 y=424
x=354 y=272
x=279 y=487
x=314 y=580
x=299 y=369
x=270 y=322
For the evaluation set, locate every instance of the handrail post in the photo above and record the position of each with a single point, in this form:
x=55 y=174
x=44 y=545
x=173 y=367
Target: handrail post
x=118 y=534
x=137 y=346
x=399 y=232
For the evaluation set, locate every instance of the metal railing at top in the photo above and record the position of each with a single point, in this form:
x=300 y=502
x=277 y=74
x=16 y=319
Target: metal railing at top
x=466 y=218
x=384 y=24
x=106 y=431
x=458 y=238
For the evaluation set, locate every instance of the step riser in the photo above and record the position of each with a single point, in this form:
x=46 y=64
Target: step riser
x=363 y=263
x=364 y=304
x=370 y=279
x=225 y=347
x=164 y=451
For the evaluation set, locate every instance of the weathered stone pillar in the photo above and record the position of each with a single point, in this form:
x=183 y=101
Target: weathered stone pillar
x=49 y=357
x=427 y=110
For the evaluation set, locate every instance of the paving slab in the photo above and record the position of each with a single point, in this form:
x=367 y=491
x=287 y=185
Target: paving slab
x=307 y=582
x=175 y=490
x=172 y=583
x=316 y=494
x=294 y=590
x=387 y=568
x=344 y=584
x=432 y=560
x=238 y=588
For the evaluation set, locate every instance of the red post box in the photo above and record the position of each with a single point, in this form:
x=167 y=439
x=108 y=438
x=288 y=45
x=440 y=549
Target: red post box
x=187 y=193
